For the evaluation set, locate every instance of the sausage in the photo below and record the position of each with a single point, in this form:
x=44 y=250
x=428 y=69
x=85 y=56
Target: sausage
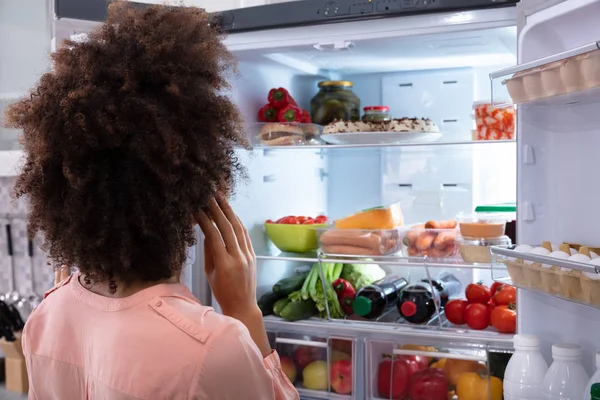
x=351 y=238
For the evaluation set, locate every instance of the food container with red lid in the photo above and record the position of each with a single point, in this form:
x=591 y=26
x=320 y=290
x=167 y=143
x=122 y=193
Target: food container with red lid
x=494 y=123
x=376 y=114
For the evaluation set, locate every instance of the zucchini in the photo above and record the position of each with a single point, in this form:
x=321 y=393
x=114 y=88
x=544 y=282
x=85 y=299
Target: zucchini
x=266 y=302
x=280 y=305
x=298 y=310
x=288 y=285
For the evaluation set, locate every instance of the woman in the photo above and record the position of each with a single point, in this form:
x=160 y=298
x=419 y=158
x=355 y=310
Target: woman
x=128 y=141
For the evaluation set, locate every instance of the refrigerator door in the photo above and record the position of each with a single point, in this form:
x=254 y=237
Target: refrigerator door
x=557 y=146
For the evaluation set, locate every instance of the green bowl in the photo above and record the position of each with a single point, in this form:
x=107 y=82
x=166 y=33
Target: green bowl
x=294 y=238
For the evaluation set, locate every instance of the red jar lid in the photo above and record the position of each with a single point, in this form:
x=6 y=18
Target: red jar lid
x=376 y=108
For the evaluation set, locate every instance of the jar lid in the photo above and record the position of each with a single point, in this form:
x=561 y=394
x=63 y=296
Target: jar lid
x=336 y=83
x=568 y=350
x=376 y=108
x=499 y=241
x=526 y=341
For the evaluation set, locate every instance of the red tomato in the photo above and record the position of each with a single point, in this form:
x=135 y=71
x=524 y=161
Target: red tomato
x=428 y=384
x=269 y=222
x=490 y=305
x=283 y=220
x=455 y=311
x=504 y=319
x=477 y=316
x=478 y=293
x=505 y=296
x=495 y=287
x=309 y=222
x=293 y=221
x=302 y=219
x=321 y=219
x=393 y=378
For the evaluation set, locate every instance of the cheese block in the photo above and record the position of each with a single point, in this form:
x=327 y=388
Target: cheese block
x=374 y=218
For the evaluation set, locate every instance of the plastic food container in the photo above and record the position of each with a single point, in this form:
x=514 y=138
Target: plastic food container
x=508 y=211
x=494 y=123
x=359 y=242
x=293 y=238
x=283 y=134
x=482 y=225
x=478 y=250
x=433 y=243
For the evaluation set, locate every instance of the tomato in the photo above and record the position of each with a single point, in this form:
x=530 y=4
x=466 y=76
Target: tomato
x=309 y=222
x=495 y=287
x=478 y=293
x=505 y=296
x=393 y=377
x=302 y=219
x=321 y=219
x=477 y=316
x=283 y=220
x=428 y=384
x=504 y=319
x=490 y=305
x=269 y=222
x=455 y=311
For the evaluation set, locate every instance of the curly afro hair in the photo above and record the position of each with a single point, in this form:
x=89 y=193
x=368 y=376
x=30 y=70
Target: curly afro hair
x=126 y=139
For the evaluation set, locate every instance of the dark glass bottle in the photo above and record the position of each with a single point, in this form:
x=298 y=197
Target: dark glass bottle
x=417 y=302
x=375 y=300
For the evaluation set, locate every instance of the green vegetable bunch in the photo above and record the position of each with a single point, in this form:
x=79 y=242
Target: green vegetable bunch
x=313 y=289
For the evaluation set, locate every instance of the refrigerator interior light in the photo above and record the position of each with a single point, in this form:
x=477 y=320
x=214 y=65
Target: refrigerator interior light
x=459 y=18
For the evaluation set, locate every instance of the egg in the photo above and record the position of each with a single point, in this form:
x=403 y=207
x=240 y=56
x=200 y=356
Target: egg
x=592 y=275
x=593 y=255
x=561 y=255
x=523 y=248
x=538 y=251
x=573 y=251
x=580 y=258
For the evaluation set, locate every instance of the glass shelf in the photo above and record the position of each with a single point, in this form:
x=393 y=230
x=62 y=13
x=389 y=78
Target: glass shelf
x=566 y=78
x=568 y=280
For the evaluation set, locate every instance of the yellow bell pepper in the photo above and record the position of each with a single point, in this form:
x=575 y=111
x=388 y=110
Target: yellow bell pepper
x=439 y=364
x=472 y=386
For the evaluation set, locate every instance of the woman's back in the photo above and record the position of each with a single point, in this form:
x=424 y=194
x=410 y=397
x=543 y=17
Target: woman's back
x=159 y=343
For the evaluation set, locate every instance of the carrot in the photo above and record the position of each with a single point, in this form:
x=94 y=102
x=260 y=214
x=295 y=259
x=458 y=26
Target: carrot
x=451 y=224
x=425 y=241
x=444 y=239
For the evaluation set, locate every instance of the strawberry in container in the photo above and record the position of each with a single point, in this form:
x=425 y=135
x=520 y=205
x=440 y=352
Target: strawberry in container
x=434 y=239
x=494 y=123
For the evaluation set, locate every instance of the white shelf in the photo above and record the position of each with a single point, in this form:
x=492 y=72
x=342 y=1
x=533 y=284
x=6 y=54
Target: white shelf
x=326 y=147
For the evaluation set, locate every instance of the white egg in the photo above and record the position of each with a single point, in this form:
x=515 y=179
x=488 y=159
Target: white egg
x=594 y=255
x=556 y=254
x=523 y=248
x=538 y=251
x=573 y=251
x=595 y=261
x=581 y=258
x=592 y=275
x=555 y=247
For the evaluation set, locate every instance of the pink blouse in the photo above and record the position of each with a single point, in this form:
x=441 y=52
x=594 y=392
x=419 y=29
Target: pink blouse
x=159 y=343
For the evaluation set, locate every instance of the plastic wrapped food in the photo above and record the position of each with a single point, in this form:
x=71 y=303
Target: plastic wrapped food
x=494 y=123
x=434 y=243
x=335 y=101
x=359 y=242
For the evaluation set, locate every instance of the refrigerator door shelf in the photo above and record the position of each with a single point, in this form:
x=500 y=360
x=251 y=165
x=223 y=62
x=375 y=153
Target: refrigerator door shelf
x=577 y=282
x=564 y=78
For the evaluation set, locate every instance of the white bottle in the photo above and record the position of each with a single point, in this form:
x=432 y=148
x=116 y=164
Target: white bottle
x=595 y=379
x=526 y=370
x=566 y=378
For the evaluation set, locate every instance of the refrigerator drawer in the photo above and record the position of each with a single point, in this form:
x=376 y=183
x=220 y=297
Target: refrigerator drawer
x=320 y=366
x=433 y=370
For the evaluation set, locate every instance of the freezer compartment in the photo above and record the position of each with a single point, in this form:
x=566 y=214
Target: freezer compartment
x=430 y=370
x=320 y=366
x=564 y=78
x=564 y=278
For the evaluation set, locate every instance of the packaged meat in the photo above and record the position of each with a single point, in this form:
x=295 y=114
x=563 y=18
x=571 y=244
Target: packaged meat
x=375 y=218
x=431 y=242
x=494 y=123
x=359 y=241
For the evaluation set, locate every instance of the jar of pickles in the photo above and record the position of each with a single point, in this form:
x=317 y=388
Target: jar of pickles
x=335 y=100
x=376 y=114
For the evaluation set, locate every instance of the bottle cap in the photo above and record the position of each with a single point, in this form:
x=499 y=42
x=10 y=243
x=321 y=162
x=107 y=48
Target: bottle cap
x=408 y=308
x=567 y=350
x=362 y=306
x=522 y=341
x=595 y=391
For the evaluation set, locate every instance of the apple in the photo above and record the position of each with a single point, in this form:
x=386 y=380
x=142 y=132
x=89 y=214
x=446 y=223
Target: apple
x=289 y=368
x=304 y=355
x=341 y=376
x=314 y=376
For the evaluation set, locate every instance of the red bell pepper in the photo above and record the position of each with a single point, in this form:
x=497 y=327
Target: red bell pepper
x=428 y=384
x=281 y=98
x=345 y=293
x=306 y=117
x=393 y=377
x=290 y=114
x=268 y=113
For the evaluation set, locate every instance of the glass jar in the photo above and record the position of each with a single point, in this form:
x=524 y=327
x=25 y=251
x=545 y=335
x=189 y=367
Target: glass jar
x=376 y=114
x=335 y=100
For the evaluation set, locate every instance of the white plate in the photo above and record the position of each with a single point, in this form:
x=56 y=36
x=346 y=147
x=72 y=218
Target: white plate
x=380 y=137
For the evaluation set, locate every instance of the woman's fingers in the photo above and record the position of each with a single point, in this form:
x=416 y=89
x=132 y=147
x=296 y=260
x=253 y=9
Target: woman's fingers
x=61 y=274
x=224 y=226
x=235 y=222
x=212 y=237
x=209 y=261
x=249 y=248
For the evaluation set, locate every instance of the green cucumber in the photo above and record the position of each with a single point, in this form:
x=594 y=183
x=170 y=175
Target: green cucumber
x=266 y=302
x=298 y=310
x=288 y=285
x=280 y=305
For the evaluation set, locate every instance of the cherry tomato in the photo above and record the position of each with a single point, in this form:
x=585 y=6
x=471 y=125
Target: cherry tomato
x=269 y=222
x=283 y=220
x=293 y=221
x=495 y=287
x=302 y=219
x=455 y=311
x=504 y=319
x=477 y=316
x=321 y=219
x=478 y=293
x=309 y=222
x=506 y=295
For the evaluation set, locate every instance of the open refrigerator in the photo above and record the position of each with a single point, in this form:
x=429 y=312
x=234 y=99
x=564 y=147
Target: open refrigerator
x=434 y=64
